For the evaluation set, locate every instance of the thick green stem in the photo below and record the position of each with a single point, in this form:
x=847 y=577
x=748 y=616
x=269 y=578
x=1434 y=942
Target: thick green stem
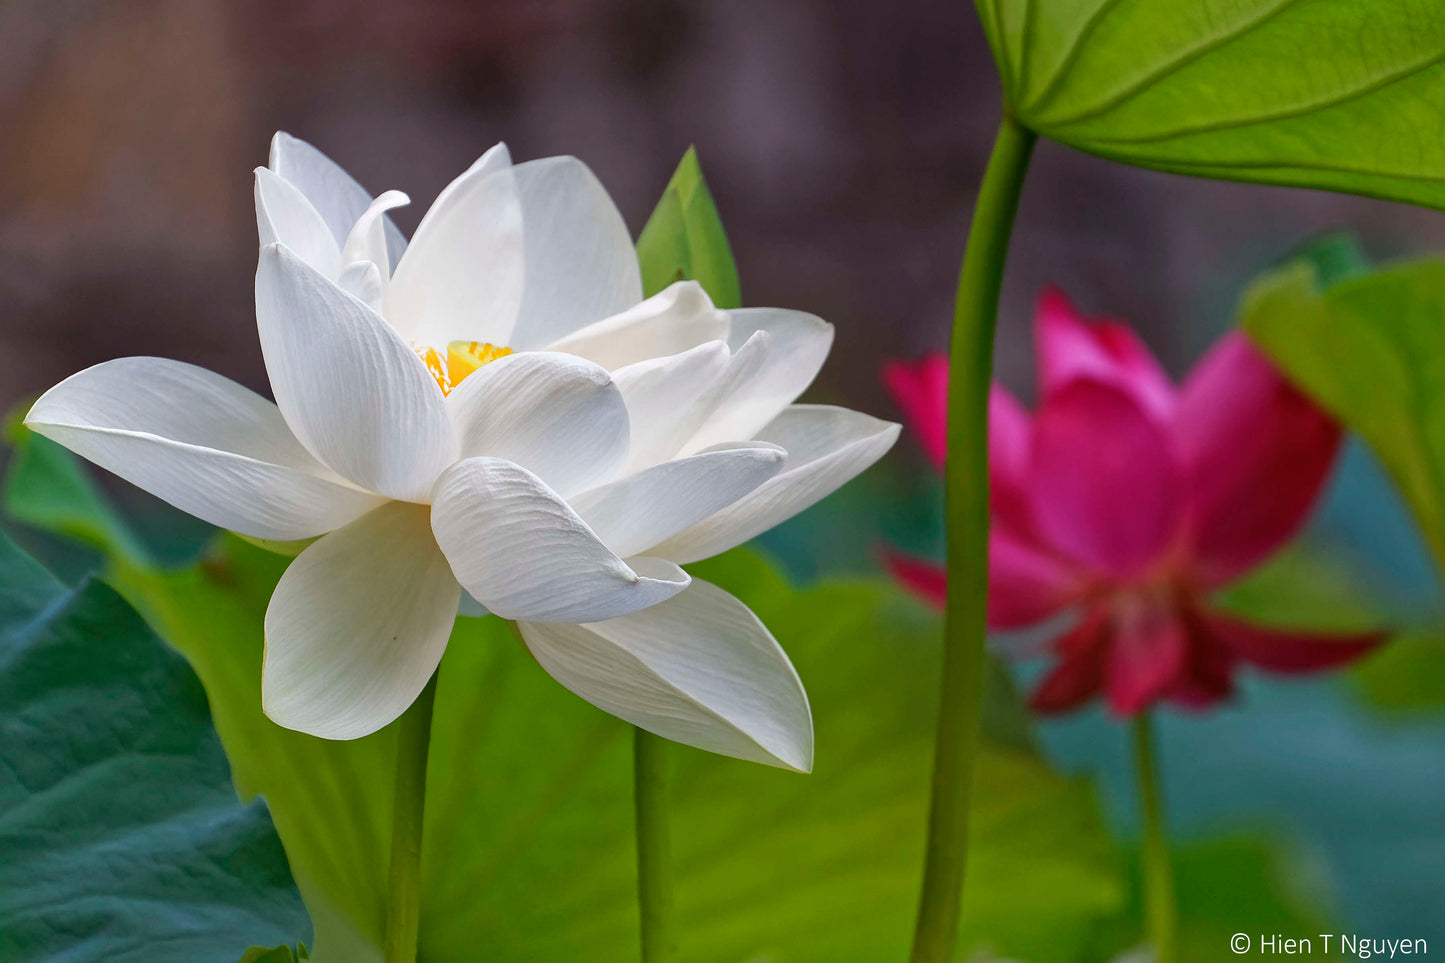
x=654 y=847
x=403 y=890
x=1159 y=905
x=966 y=493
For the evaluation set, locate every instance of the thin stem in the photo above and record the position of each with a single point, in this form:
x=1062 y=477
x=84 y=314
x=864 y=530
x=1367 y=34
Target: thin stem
x=654 y=848
x=403 y=890
x=1159 y=905
x=966 y=493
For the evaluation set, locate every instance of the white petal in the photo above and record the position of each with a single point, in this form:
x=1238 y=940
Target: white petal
x=800 y=344
x=357 y=625
x=669 y=399
x=679 y=318
x=558 y=416
x=201 y=442
x=335 y=194
x=517 y=256
x=367 y=240
x=354 y=393
x=284 y=215
x=362 y=280
x=522 y=552
x=635 y=513
x=826 y=447
x=699 y=669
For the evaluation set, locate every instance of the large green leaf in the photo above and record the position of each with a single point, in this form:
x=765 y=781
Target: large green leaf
x=120 y=836
x=528 y=839
x=1227 y=885
x=1369 y=350
x=1339 y=94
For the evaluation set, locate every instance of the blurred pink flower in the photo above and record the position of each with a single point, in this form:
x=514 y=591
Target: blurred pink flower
x=1132 y=500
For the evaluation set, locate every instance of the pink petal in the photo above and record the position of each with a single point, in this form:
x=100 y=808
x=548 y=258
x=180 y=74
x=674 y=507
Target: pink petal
x=1256 y=453
x=1290 y=652
x=1071 y=347
x=923 y=578
x=1208 y=676
x=921 y=390
x=1148 y=657
x=1106 y=489
x=1079 y=674
x=1009 y=437
x=1025 y=585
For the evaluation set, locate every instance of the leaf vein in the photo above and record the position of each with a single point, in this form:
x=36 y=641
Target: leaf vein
x=1373 y=86
x=1131 y=90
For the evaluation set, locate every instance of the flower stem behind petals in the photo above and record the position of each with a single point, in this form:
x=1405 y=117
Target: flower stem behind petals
x=651 y=787
x=966 y=493
x=403 y=889
x=1159 y=904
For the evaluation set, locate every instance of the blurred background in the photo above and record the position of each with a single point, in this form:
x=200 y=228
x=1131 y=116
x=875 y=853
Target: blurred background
x=843 y=141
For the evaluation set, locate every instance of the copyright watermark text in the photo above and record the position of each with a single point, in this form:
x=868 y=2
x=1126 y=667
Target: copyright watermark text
x=1340 y=944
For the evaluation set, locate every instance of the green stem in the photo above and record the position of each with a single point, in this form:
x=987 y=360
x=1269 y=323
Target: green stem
x=403 y=890
x=1159 y=905
x=654 y=847
x=966 y=493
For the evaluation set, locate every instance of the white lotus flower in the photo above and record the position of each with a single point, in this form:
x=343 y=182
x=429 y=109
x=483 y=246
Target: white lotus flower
x=492 y=408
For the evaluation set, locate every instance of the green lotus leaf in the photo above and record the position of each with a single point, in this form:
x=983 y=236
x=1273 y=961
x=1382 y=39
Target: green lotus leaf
x=1337 y=94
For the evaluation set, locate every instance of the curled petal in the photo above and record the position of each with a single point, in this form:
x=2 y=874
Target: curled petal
x=1147 y=658
x=826 y=447
x=798 y=343
x=522 y=552
x=1256 y=452
x=678 y=319
x=335 y=194
x=1025 y=584
x=201 y=442
x=698 y=668
x=1010 y=438
x=1280 y=650
x=1071 y=347
x=637 y=513
x=285 y=216
x=1106 y=486
x=920 y=390
x=1079 y=673
x=1208 y=676
x=558 y=416
x=367 y=241
x=357 y=625
x=354 y=393
x=669 y=399
x=925 y=579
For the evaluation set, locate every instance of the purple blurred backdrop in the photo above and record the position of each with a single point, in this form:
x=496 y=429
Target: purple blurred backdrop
x=843 y=141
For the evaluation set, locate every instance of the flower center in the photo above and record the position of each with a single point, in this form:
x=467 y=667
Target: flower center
x=463 y=357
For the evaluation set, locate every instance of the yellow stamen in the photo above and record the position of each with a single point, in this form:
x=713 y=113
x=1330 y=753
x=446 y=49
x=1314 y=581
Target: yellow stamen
x=464 y=357
x=435 y=366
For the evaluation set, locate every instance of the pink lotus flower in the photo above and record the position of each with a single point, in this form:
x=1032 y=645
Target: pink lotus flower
x=1132 y=501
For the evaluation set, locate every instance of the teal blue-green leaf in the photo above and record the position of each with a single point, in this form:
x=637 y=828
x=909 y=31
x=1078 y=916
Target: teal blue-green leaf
x=684 y=239
x=529 y=853
x=121 y=838
x=1337 y=94
x=1369 y=351
x=47 y=487
x=276 y=954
